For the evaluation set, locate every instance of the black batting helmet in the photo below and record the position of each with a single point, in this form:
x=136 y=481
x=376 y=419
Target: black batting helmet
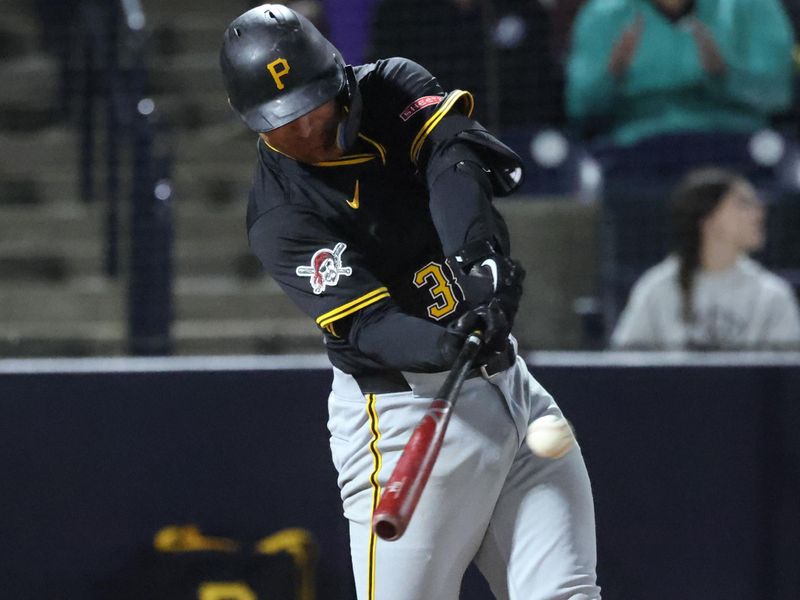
x=277 y=67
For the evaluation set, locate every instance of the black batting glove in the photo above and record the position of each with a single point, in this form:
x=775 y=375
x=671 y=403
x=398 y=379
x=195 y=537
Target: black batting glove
x=494 y=325
x=455 y=335
x=489 y=320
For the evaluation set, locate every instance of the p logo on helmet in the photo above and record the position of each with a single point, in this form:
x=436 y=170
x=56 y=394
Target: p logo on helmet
x=277 y=73
x=261 y=48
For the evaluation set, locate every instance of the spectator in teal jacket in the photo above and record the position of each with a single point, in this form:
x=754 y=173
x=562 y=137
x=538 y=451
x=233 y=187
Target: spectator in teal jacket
x=652 y=67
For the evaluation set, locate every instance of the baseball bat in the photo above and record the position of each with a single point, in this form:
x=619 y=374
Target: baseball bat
x=402 y=491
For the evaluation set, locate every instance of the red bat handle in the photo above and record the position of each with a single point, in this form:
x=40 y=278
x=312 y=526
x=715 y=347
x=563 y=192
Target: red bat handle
x=405 y=485
x=402 y=491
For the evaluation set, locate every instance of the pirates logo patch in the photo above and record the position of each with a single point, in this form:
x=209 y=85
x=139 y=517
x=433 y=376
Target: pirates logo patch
x=326 y=268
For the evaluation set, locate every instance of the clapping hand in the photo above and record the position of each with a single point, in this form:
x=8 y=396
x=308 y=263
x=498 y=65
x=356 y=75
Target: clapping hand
x=625 y=47
x=710 y=56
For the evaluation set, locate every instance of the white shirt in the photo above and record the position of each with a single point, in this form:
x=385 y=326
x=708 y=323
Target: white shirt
x=744 y=307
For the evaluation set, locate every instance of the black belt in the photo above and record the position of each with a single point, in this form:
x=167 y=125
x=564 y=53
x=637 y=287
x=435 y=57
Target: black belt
x=390 y=382
x=381 y=382
x=497 y=364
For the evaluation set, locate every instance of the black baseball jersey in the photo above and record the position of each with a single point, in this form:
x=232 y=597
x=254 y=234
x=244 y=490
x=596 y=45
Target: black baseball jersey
x=343 y=236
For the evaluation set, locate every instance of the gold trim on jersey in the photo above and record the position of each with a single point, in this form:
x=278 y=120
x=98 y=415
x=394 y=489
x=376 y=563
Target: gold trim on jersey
x=274 y=149
x=354 y=159
x=468 y=105
x=376 y=489
x=379 y=147
x=350 y=159
x=353 y=306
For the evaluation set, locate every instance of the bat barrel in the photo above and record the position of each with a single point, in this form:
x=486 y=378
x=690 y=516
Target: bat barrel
x=405 y=485
x=402 y=491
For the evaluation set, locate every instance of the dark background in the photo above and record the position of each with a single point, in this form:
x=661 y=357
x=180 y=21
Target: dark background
x=694 y=470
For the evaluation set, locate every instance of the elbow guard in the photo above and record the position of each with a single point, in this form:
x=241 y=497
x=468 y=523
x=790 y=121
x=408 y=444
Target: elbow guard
x=460 y=139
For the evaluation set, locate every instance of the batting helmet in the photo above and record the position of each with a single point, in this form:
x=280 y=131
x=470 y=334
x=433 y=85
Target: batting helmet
x=277 y=67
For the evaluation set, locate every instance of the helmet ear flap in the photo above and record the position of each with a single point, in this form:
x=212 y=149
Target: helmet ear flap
x=350 y=98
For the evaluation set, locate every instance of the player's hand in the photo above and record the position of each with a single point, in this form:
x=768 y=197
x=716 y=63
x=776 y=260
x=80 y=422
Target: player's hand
x=625 y=47
x=494 y=325
x=489 y=319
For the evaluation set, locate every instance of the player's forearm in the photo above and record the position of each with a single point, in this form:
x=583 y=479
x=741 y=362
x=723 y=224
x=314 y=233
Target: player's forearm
x=397 y=340
x=460 y=204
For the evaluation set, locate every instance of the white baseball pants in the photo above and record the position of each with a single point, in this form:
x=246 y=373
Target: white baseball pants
x=527 y=522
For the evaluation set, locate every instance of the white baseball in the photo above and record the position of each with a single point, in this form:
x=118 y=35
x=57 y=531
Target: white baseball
x=550 y=436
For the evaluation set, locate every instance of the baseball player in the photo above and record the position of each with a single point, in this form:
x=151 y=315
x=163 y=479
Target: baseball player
x=371 y=206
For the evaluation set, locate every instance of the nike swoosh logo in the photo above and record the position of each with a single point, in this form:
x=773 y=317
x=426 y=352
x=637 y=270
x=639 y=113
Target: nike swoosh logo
x=354 y=203
x=489 y=262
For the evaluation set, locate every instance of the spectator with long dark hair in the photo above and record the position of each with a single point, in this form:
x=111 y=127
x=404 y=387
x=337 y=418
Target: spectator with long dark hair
x=708 y=293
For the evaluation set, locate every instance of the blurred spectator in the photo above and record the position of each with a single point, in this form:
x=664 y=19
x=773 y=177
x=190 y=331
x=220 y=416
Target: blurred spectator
x=498 y=50
x=644 y=68
x=708 y=294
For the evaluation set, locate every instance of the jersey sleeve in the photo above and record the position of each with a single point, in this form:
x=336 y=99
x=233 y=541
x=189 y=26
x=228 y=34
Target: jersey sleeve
x=409 y=103
x=322 y=272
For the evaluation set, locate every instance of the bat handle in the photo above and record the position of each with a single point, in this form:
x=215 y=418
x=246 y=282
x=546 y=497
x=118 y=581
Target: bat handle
x=461 y=366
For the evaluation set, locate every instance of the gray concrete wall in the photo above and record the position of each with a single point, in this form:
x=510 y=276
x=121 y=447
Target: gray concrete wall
x=556 y=242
